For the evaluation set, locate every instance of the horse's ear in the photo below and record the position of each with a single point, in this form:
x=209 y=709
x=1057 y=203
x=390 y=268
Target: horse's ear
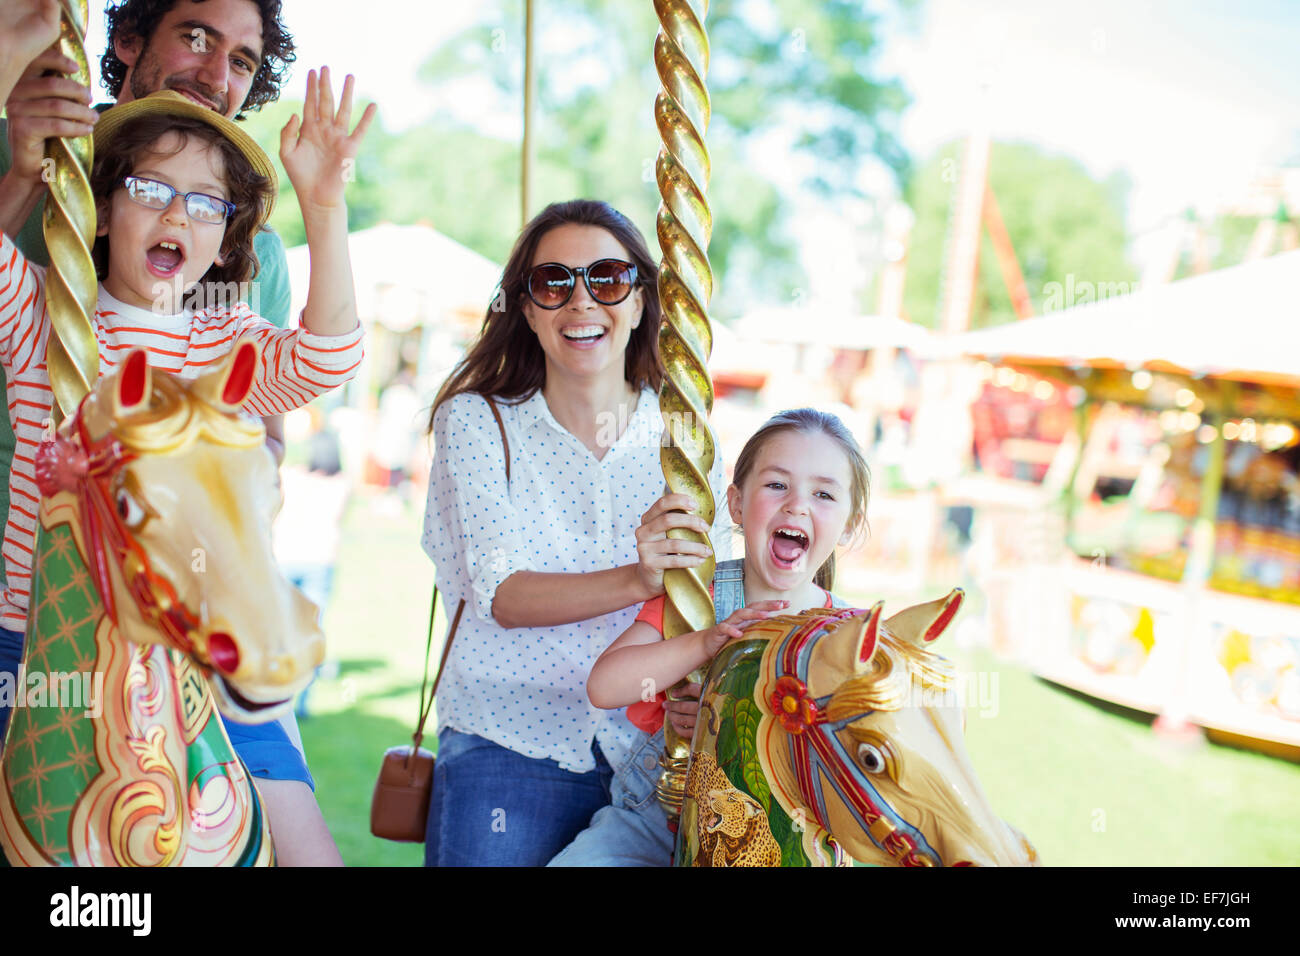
x=870 y=633
x=134 y=381
x=923 y=623
x=229 y=383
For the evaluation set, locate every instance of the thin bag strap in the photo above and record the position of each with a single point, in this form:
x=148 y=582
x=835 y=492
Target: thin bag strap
x=501 y=426
x=426 y=704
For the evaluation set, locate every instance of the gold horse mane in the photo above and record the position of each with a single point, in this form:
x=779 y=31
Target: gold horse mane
x=179 y=413
x=893 y=668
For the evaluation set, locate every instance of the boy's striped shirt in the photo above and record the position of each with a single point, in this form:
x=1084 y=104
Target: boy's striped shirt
x=296 y=367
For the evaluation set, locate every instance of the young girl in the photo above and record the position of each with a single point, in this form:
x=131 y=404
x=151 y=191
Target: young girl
x=799 y=489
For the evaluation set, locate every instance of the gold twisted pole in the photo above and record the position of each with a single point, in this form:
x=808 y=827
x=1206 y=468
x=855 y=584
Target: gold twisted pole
x=69 y=221
x=684 y=225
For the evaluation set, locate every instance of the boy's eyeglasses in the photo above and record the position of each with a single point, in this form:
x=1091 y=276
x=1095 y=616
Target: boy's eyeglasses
x=198 y=206
x=609 y=281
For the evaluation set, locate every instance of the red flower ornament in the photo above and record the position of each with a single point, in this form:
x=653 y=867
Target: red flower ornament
x=793 y=707
x=60 y=466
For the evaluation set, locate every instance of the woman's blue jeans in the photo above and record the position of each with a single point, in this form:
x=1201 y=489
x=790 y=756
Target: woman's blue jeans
x=494 y=807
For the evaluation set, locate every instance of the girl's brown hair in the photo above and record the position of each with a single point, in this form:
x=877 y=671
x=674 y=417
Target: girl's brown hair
x=812 y=420
x=251 y=192
x=507 y=360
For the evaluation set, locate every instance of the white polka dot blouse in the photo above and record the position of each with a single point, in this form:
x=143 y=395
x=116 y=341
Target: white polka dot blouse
x=564 y=511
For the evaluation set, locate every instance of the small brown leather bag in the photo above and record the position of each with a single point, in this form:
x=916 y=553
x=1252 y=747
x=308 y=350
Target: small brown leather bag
x=399 y=808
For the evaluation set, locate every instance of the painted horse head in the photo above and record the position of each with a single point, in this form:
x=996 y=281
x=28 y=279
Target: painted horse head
x=861 y=740
x=175 y=494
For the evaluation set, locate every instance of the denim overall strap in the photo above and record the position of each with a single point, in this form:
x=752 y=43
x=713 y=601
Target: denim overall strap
x=728 y=589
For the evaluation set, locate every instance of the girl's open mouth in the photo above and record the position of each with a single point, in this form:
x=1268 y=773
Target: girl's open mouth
x=787 y=546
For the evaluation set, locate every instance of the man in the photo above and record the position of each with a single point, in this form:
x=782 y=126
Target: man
x=229 y=56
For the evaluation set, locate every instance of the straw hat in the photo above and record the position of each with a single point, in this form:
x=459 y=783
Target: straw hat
x=171 y=103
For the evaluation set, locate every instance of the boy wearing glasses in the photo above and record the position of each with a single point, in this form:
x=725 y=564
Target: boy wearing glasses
x=180 y=193
x=230 y=56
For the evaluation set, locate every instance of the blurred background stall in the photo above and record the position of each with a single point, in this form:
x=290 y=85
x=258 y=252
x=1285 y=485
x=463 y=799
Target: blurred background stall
x=421 y=297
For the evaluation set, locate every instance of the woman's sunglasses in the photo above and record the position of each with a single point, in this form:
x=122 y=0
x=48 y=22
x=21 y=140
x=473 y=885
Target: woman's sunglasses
x=199 y=206
x=609 y=281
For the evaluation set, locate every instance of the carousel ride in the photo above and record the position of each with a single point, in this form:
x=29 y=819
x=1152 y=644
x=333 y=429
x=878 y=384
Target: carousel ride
x=153 y=572
x=139 y=496
x=831 y=738
x=810 y=750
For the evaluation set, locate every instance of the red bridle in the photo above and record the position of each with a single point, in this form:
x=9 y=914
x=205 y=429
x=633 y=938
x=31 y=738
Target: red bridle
x=87 y=468
x=817 y=752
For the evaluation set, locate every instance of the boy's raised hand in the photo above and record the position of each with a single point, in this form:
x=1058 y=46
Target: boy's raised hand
x=316 y=149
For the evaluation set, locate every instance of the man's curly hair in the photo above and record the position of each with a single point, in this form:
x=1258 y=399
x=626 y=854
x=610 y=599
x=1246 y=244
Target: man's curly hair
x=139 y=18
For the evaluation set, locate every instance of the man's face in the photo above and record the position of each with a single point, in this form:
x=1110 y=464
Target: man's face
x=207 y=51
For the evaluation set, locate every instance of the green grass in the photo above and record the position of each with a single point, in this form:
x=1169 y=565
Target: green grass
x=375 y=629
x=1088 y=786
x=1092 y=787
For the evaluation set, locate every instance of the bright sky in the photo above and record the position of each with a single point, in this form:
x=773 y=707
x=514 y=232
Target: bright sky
x=1188 y=97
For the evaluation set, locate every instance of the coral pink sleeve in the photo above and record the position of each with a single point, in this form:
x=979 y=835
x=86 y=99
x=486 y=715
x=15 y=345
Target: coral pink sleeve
x=652 y=613
x=648 y=715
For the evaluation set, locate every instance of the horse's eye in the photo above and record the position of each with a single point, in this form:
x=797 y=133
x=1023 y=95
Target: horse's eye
x=872 y=760
x=129 y=509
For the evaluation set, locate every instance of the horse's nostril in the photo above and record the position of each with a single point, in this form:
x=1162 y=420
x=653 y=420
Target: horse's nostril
x=223 y=652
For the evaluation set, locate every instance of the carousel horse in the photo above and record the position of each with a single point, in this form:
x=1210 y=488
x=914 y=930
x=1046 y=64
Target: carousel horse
x=827 y=738
x=154 y=575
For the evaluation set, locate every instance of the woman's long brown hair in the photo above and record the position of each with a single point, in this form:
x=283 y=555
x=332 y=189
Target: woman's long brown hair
x=506 y=359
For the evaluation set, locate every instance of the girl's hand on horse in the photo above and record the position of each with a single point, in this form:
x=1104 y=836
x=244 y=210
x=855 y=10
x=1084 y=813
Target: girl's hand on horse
x=317 y=150
x=656 y=551
x=682 y=713
x=716 y=637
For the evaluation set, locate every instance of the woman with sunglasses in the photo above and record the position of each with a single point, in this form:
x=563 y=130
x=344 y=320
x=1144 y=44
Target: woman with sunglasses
x=552 y=561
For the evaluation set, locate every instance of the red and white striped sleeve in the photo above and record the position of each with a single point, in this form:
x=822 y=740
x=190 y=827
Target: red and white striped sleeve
x=23 y=324
x=297 y=366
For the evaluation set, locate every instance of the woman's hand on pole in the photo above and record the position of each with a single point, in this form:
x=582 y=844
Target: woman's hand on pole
x=657 y=552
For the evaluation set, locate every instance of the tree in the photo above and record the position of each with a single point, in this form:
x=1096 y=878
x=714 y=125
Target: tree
x=793 y=75
x=1067 y=230
x=786 y=77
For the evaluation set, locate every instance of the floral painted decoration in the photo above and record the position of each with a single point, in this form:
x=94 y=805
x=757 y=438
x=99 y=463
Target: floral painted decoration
x=793 y=706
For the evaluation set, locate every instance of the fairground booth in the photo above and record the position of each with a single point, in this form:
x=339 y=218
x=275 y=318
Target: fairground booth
x=1150 y=553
